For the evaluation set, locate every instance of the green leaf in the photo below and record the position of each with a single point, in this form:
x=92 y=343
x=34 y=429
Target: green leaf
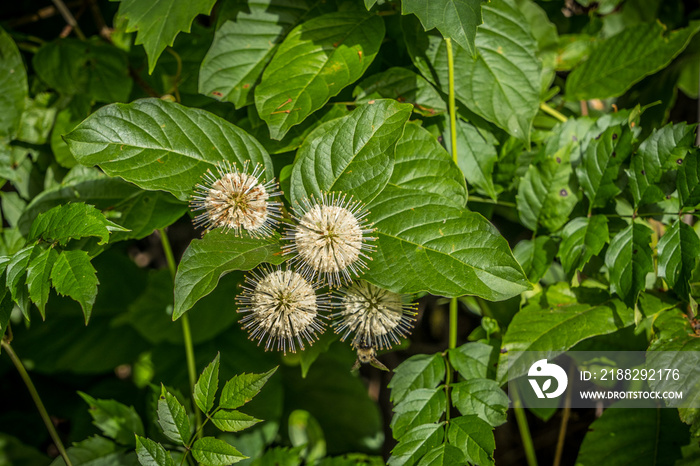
x=161 y=145
x=418 y=371
x=629 y=260
x=476 y=157
x=679 y=249
x=151 y=453
x=600 y=164
x=535 y=256
x=420 y=406
x=141 y=212
x=423 y=164
x=206 y=386
x=73 y=275
x=502 y=83
x=97 y=450
x=474 y=360
x=556 y=328
x=443 y=250
x=233 y=421
x=645 y=437
x=158 y=22
x=71 y=221
x=39 y=278
x=6 y=306
x=13 y=86
x=95 y=69
x=482 y=397
x=403 y=85
x=205 y=261
x=114 y=419
x=663 y=151
x=214 y=452
x=689 y=180
x=353 y=154
x=172 y=418
x=546 y=196
x=474 y=437
x=315 y=62
x=244 y=44
x=625 y=58
x=416 y=443
x=581 y=239
x=242 y=388
x=16 y=269
x=444 y=455
x=455 y=19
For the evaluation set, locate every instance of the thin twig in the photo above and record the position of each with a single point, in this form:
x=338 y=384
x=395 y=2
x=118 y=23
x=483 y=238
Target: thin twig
x=555 y=113
x=69 y=18
x=564 y=422
x=525 y=435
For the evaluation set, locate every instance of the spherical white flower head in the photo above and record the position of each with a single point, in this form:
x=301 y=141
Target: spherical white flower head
x=237 y=201
x=377 y=317
x=330 y=238
x=282 y=305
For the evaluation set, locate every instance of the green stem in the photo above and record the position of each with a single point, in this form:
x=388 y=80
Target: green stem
x=186 y=332
x=547 y=109
x=448 y=381
x=525 y=436
x=37 y=401
x=453 y=323
x=451 y=98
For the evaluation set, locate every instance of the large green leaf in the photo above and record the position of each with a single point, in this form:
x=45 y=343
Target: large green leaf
x=600 y=164
x=114 y=419
x=73 y=275
x=643 y=437
x=98 y=70
x=474 y=437
x=689 y=180
x=39 y=278
x=581 y=239
x=415 y=443
x=403 y=85
x=535 y=256
x=141 y=212
x=476 y=157
x=474 y=360
x=172 y=418
x=158 y=22
x=423 y=164
x=444 y=455
x=206 y=386
x=13 y=86
x=455 y=19
x=205 y=261
x=557 y=328
x=71 y=221
x=353 y=154
x=160 y=145
x=242 y=388
x=663 y=151
x=482 y=397
x=625 y=58
x=420 y=406
x=209 y=451
x=315 y=61
x=502 y=83
x=151 y=453
x=546 y=195
x=679 y=249
x=419 y=371
x=443 y=250
x=629 y=260
x=244 y=43
x=233 y=421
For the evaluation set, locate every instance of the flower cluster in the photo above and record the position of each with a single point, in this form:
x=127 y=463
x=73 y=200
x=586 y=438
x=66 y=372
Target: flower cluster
x=329 y=241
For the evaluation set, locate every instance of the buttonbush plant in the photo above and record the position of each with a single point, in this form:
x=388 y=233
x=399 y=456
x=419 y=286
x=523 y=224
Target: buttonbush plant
x=530 y=177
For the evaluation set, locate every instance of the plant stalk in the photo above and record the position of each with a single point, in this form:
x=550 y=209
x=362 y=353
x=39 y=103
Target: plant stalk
x=556 y=114
x=37 y=401
x=451 y=98
x=524 y=429
x=186 y=332
x=564 y=423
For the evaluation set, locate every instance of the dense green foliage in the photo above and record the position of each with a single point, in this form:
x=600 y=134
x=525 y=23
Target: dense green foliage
x=529 y=162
